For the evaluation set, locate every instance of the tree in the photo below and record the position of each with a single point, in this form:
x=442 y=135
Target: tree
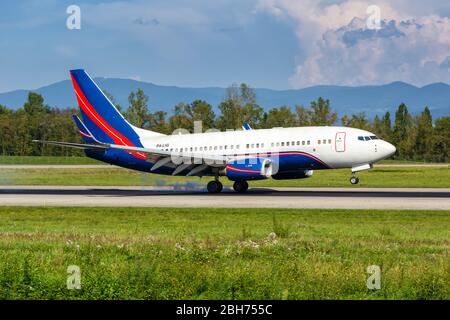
x=303 y=116
x=137 y=112
x=401 y=135
x=181 y=119
x=157 y=122
x=386 y=127
x=238 y=107
x=441 y=139
x=321 y=113
x=345 y=120
x=200 y=110
x=280 y=117
x=424 y=140
x=360 y=121
x=4 y=110
x=35 y=104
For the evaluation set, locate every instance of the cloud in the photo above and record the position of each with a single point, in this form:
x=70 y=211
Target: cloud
x=338 y=48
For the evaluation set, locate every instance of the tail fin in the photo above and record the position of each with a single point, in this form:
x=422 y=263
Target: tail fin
x=99 y=115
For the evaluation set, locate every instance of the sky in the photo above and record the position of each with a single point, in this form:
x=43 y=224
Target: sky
x=278 y=44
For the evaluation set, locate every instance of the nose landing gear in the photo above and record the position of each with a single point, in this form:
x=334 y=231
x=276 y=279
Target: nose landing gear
x=354 y=180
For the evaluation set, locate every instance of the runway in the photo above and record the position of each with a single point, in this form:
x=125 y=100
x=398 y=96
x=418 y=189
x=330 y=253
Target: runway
x=325 y=198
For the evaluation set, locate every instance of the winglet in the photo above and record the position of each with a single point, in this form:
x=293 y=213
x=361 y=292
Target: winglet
x=246 y=126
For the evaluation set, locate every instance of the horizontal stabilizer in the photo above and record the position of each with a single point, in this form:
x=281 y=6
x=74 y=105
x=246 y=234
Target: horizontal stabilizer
x=72 y=144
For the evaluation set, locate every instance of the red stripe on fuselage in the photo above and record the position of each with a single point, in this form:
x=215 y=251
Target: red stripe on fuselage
x=90 y=111
x=242 y=170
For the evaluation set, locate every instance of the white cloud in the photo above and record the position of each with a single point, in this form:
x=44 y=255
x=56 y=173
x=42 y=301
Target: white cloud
x=337 y=47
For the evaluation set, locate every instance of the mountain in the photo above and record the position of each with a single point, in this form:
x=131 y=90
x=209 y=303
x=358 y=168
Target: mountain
x=344 y=99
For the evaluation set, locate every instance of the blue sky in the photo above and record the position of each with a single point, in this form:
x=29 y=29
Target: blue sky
x=278 y=44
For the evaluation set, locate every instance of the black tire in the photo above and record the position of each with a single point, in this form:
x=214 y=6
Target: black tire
x=240 y=186
x=354 y=180
x=214 y=186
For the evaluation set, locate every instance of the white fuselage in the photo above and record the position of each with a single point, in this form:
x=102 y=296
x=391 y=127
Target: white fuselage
x=338 y=147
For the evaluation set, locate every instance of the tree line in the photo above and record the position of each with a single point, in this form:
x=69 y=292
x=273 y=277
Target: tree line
x=416 y=137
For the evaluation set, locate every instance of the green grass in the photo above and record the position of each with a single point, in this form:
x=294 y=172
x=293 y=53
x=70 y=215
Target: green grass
x=35 y=160
x=438 y=177
x=149 y=253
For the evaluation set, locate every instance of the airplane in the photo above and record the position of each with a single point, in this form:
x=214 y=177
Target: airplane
x=241 y=155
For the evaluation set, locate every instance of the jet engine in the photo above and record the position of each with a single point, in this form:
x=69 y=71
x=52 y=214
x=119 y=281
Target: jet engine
x=249 y=169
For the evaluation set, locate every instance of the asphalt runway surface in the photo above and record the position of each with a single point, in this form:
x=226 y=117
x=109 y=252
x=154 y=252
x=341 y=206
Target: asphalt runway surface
x=325 y=198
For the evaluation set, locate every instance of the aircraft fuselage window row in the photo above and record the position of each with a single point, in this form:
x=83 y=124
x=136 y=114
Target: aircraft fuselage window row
x=255 y=145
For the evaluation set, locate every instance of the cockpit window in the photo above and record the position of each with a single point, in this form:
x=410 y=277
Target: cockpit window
x=367 y=138
x=374 y=138
x=361 y=138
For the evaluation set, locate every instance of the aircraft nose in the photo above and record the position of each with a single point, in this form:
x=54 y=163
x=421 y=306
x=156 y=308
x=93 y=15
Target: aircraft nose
x=390 y=149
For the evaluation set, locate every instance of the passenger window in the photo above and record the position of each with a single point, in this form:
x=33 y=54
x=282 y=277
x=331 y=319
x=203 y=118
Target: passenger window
x=287 y=144
x=253 y=145
x=248 y=146
x=257 y=145
x=237 y=146
x=262 y=145
x=303 y=143
x=215 y=147
x=309 y=142
x=225 y=147
x=231 y=147
x=272 y=144
x=220 y=148
x=195 y=148
x=278 y=144
x=329 y=141
x=191 y=149
x=282 y=144
x=298 y=143
x=318 y=141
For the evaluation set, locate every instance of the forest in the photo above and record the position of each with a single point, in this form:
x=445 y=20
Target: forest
x=417 y=137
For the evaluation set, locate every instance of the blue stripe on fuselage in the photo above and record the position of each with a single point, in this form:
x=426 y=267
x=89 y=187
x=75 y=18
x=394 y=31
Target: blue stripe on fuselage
x=287 y=161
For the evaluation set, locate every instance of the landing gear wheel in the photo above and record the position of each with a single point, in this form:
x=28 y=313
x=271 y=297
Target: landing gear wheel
x=214 y=186
x=354 y=180
x=240 y=186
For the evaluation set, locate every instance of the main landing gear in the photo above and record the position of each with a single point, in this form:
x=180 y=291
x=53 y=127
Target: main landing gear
x=240 y=186
x=214 y=186
x=354 y=180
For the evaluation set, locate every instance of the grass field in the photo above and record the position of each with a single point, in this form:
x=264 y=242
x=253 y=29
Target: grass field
x=437 y=177
x=223 y=254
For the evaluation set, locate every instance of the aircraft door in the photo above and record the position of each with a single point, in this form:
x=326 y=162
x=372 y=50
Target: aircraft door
x=340 y=142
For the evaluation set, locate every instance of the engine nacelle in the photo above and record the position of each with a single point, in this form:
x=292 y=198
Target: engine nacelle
x=293 y=175
x=249 y=169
